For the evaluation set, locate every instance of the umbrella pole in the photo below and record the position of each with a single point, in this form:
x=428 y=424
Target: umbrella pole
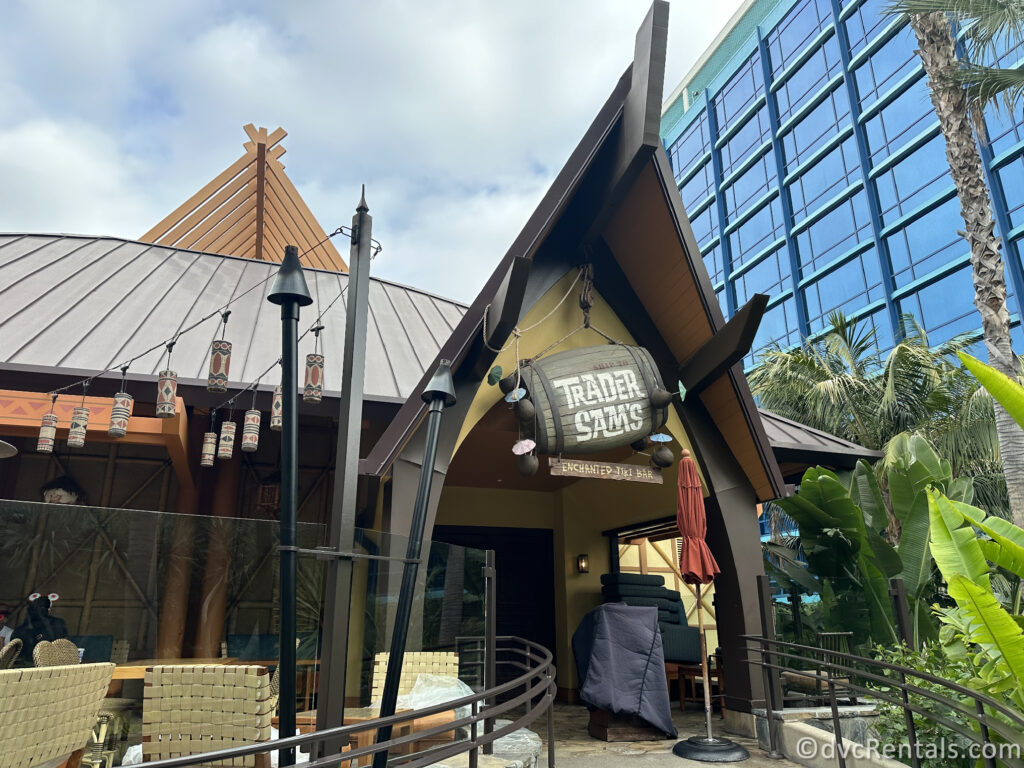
x=704 y=664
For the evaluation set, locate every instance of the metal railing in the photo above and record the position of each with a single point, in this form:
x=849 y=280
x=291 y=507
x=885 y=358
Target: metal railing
x=532 y=694
x=999 y=737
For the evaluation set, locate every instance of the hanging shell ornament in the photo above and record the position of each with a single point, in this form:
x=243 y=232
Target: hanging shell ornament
x=47 y=433
x=251 y=432
x=525 y=410
x=277 y=410
x=508 y=383
x=79 y=423
x=166 y=395
x=494 y=376
x=523 y=446
x=639 y=444
x=313 y=392
x=220 y=364
x=209 y=449
x=528 y=464
x=516 y=396
x=662 y=456
x=660 y=437
x=226 y=446
x=120 y=413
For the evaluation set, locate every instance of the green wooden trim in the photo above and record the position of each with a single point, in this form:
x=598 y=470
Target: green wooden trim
x=906 y=150
x=909 y=218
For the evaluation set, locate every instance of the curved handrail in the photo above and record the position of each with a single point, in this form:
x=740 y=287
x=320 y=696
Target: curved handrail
x=544 y=687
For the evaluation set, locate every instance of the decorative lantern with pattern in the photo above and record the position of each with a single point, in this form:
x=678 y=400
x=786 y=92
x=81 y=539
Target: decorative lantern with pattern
x=48 y=429
x=226 y=447
x=79 y=423
x=167 y=388
x=313 y=391
x=277 y=410
x=251 y=431
x=120 y=413
x=209 y=449
x=220 y=362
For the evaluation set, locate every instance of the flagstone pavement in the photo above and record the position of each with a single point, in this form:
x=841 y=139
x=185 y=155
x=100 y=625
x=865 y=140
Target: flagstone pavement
x=575 y=748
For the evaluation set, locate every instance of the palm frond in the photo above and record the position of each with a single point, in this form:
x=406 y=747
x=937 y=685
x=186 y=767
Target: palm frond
x=991 y=86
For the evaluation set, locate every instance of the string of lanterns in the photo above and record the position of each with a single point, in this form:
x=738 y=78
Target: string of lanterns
x=216 y=444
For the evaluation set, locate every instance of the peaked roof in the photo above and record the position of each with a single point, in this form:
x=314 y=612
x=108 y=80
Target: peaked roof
x=616 y=201
x=76 y=305
x=251 y=209
x=797 y=444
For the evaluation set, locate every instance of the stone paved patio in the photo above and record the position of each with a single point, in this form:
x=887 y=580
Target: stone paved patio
x=575 y=748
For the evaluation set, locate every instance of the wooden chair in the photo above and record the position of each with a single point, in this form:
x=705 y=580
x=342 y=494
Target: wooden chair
x=60 y=652
x=188 y=710
x=48 y=713
x=413 y=664
x=10 y=653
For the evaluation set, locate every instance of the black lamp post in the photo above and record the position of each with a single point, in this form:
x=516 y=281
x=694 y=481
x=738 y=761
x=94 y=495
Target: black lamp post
x=291 y=292
x=440 y=394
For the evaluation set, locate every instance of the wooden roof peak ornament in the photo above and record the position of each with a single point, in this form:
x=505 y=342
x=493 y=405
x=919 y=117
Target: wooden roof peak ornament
x=251 y=210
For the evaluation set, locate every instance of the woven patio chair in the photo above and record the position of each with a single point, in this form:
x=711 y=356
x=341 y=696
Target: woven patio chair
x=10 y=653
x=48 y=713
x=413 y=664
x=60 y=652
x=189 y=710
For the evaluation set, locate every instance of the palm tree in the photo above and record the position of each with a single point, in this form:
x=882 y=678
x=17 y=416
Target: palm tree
x=959 y=92
x=840 y=383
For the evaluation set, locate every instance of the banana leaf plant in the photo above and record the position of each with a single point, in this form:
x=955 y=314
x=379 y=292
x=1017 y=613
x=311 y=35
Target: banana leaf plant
x=980 y=628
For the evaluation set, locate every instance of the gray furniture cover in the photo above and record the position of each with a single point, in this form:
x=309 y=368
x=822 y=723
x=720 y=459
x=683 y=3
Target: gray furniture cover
x=621 y=663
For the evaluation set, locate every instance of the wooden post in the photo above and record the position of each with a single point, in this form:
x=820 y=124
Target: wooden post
x=214 y=595
x=174 y=606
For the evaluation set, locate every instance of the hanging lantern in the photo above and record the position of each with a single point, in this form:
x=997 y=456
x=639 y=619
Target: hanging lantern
x=220 y=362
x=166 y=396
x=226 y=447
x=209 y=449
x=277 y=410
x=47 y=433
x=314 y=389
x=79 y=423
x=251 y=431
x=120 y=413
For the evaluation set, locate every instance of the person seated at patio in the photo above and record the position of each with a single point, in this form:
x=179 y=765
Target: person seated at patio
x=38 y=625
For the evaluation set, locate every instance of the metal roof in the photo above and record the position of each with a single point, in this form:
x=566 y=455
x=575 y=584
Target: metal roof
x=795 y=442
x=85 y=304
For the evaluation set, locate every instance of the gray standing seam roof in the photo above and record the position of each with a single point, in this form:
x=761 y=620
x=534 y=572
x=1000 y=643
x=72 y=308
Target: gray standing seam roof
x=89 y=303
x=785 y=434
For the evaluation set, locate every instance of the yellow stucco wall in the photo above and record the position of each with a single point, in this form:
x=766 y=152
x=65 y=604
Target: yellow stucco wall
x=578 y=513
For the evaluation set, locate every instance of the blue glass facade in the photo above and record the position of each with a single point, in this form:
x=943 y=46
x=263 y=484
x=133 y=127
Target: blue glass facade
x=811 y=165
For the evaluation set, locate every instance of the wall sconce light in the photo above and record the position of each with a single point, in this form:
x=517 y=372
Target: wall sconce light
x=583 y=564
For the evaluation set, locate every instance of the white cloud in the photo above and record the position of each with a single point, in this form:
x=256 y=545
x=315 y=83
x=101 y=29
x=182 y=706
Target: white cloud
x=456 y=115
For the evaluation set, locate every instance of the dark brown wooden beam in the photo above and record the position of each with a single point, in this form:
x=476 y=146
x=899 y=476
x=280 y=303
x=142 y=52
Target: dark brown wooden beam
x=726 y=348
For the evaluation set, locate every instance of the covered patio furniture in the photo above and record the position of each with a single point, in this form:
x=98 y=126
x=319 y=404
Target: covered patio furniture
x=445 y=663
x=191 y=709
x=680 y=641
x=48 y=713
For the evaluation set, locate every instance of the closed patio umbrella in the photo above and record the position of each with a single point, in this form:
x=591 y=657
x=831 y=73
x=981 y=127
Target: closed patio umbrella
x=698 y=567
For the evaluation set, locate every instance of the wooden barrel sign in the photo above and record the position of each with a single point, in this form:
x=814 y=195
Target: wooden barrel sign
x=592 y=399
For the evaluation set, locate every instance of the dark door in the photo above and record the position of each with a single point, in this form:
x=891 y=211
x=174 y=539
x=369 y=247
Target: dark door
x=525 y=566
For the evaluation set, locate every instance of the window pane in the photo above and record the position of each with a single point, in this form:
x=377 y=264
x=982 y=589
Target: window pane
x=867 y=21
x=689 y=147
x=848 y=288
x=739 y=93
x=834 y=234
x=1011 y=178
x=816 y=128
x=770 y=275
x=913 y=181
x=763 y=227
x=705 y=225
x=945 y=308
x=754 y=182
x=713 y=264
x=751 y=136
x=797 y=28
x=930 y=242
x=697 y=188
x=886 y=67
x=834 y=172
x=900 y=121
x=811 y=76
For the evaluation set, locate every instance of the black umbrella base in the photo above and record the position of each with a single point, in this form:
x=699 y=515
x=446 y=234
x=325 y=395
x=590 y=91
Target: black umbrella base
x=705 y=750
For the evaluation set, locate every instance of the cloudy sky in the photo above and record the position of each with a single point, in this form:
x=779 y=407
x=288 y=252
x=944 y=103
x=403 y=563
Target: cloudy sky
x=455 y=114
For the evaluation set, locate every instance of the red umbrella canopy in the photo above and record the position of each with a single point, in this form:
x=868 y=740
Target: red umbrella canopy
x=696 y=563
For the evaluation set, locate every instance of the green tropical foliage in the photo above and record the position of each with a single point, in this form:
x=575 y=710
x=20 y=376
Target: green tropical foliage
x=842 y=384
x=980 y=628
x=1008 y=392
